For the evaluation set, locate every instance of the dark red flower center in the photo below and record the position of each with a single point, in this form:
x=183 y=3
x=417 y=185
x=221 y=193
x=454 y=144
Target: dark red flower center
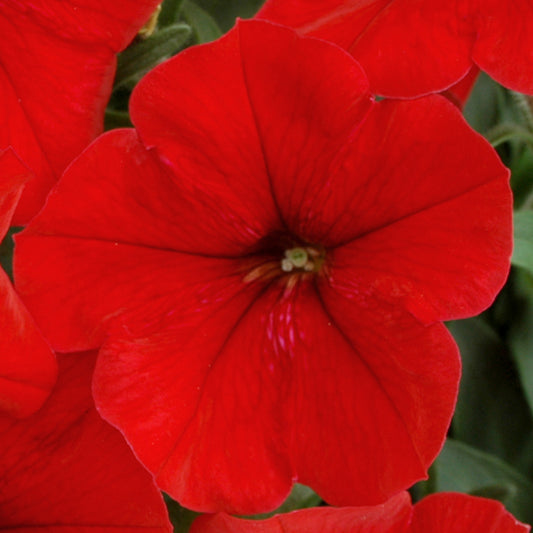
x=286 y=259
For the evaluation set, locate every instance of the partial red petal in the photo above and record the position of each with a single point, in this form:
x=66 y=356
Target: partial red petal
x=373 y=395
x=112 y=24
x=246 y=427
x=504 y=44
x=308 y=98
x=66 y=469
x=210 y=424
x=57 y=61
x=92 y=292
x=27 y=365
x=205 y=130
x=390 y=517
x=13 y=177
x=438 y=513
x=408 y=50
x=459 y=513
x=286 y=108
x=130 y=234
x=424 y=216
x=407 y=47
x=131 y=197
x=337 y=21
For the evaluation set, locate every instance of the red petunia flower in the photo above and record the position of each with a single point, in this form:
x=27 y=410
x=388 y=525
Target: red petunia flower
x=27 y=365
x=57 y=63
x=268 y=267
x=438 y=513
x=413 y=47
x=65 y=469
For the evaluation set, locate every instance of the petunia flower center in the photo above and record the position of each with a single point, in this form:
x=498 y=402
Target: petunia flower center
x=286 y=262
x=297 y=258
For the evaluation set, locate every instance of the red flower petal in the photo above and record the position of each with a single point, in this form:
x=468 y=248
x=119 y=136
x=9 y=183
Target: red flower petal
x=438 y=513
x=274 y=404
x=390 y=517
x=130 y=234
x=14 y=176
x=418 y=187
x=372 y=372
x=337 y=21
x=403 y=45
x=270 y=134
x=504 y=45
x=213 y=403
x=27 y=365
x=285 y=393
x=410 y=48
x=459 y=513
x=57 y=61
x=66 y=469
x=301 y=136
x=213 y=143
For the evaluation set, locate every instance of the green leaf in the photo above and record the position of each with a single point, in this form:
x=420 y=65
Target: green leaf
x=500 y=115
x=202 y=23
x=492 y=413
x=143 y=55
x=226 y=11
x=482 y=108
x=180 y=517
x=523 y=107
x=521 y=178
x=520 y=333
x=116 y=119
x=6 y=251
x=507 y=131
x=523 y=240
x=495 y=492
x=170 y=12
x=462 y=468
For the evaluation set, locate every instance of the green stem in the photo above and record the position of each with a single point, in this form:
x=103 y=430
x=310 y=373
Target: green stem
x=116 y=119
x=506 y=132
